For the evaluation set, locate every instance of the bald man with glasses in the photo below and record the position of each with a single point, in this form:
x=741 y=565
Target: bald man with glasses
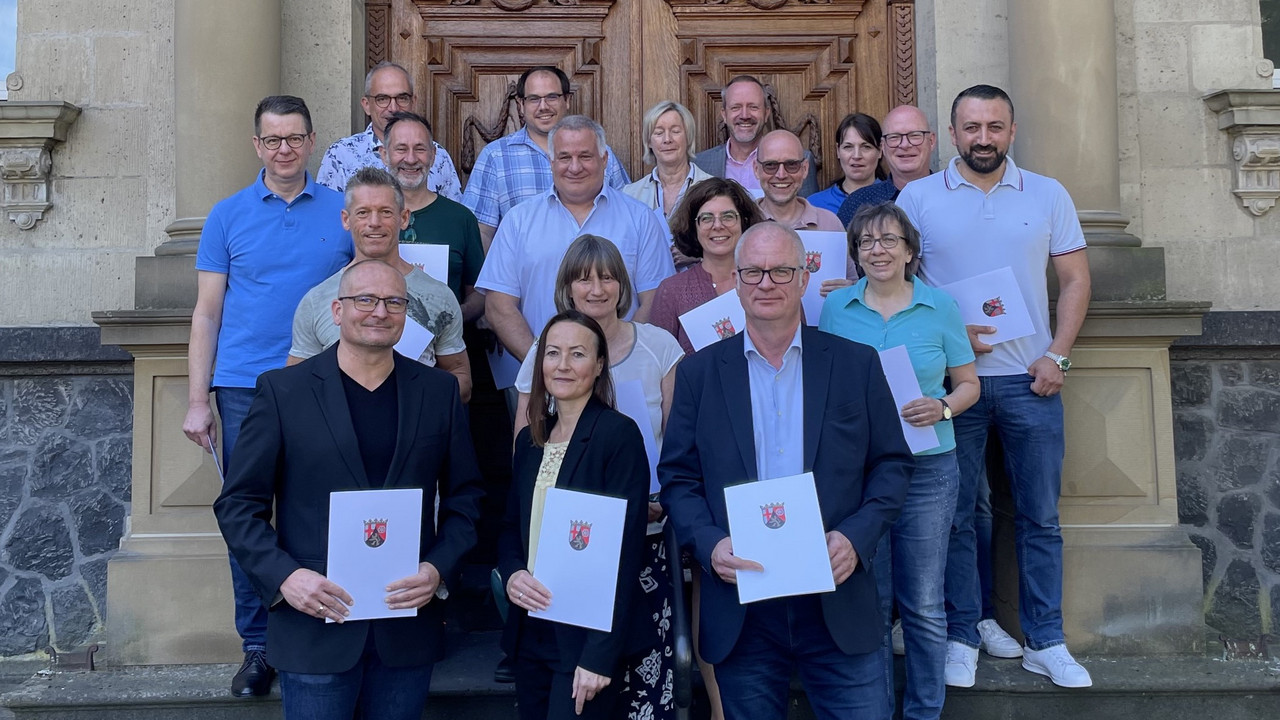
x=907 y=145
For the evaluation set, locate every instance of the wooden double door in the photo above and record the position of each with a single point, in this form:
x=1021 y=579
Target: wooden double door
x=820 y=59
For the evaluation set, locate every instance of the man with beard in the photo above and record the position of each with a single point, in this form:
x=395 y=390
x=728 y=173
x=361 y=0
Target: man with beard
x=375 y=214
x=907 y=144
x=517 y=166
x=747 y=115
x=983 y=213
x=434 y=219
x=388 y=89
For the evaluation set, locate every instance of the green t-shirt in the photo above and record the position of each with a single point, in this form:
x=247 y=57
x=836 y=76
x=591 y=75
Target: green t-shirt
x=445 y=222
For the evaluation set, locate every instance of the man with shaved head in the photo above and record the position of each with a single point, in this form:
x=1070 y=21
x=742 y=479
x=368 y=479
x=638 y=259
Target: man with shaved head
x=907 y=144
x=781 y=167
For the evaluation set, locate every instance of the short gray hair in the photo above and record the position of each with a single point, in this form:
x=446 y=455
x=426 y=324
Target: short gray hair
x=771 y=226
x=370 y=176
x=651 y=121
x=576 y=122
x=368 y=77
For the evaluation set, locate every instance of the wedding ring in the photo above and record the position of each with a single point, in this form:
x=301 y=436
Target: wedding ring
x=520 y=596
x=320 y=610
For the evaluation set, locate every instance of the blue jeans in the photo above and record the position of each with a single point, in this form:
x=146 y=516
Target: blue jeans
x=909 y=565
x=788 y=634
x=251 y=616
x=1030 y=428
x=378 y=691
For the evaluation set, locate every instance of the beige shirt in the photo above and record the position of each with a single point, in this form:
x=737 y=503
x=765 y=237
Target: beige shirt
x=548 y=471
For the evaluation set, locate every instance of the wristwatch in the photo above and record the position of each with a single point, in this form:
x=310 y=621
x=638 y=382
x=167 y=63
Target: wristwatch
x=946 y=409
x=1064 y=362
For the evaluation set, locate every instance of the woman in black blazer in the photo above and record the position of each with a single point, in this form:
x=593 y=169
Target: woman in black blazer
x=576 y=441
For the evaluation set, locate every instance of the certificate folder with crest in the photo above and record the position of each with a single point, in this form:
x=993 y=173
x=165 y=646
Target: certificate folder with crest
x=374 y=538
x=778 y=524
x=579 y=545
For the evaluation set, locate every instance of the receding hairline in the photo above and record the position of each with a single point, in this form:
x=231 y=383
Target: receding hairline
x=357 y=270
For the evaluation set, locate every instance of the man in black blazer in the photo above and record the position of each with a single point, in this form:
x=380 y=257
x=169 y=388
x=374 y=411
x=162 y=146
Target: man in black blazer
x=778 y=400
x=356 y=416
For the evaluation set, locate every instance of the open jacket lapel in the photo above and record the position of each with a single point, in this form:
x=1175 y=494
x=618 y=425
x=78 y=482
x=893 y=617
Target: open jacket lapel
x=736 y=389
x=578 y=443
x=817 y=383
x=333 y=406
x=410 y=403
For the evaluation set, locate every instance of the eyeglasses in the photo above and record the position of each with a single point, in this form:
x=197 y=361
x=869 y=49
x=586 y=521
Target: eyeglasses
x=771 y=166
x=272 y=142
x=550 y=98
x=779 y=275
x=915 y=137
x=888 y=242
x=369 y=303
x=726 y=218
x=402 y=100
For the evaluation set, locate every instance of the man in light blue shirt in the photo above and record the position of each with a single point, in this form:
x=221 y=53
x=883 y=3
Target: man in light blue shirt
x=519 y=275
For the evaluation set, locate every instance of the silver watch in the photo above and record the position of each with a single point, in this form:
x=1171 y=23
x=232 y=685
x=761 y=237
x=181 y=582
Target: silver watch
x=1064 y=362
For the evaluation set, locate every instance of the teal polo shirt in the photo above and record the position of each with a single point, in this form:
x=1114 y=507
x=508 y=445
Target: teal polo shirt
x=272 y=253
x=930 y=327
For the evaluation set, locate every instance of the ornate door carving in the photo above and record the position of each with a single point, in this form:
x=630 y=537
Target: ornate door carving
x=820 y=59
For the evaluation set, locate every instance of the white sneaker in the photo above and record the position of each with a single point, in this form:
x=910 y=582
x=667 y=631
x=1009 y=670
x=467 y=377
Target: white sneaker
x=962 y=665
x=996 y=642
x=1056 y=664
x=895 y=638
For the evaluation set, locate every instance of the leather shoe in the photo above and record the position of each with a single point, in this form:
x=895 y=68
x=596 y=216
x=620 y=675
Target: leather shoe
x=505 y=672
x=254 y=676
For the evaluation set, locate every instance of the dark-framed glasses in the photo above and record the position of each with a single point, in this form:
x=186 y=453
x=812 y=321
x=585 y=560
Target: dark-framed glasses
x=726 y=218
x=550 y=98
x=887 y=241
x=780 y=275
x=401 y=100
x=272 y=142
x=771 y=166
x=369 y=303
x=915 y=137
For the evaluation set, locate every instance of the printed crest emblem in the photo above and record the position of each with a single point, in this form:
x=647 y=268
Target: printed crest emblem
x=724 y=328
x=993 y=307
x=775 y=515
x=375 y=532
x=813 y=261
x=579 y=534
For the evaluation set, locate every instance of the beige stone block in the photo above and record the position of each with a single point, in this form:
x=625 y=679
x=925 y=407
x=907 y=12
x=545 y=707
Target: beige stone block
x=1177 y=130
x=64 y=287
x=1226 y=56
x=54 y=67
x=119 y=69
x=1232 y=273
x=105 y=142
x=1191 y=202
x=82 y=16
x=1160 y=58
x=318 y=65
x=95 y=212
x=1243 y=11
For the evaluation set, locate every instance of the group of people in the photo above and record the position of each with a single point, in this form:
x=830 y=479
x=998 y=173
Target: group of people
x=582 y=276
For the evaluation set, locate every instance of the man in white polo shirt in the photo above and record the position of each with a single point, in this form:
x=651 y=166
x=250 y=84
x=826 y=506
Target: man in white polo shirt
x=519 y=275
x=980 y=214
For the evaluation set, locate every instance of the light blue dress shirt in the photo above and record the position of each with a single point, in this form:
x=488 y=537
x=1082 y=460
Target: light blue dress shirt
x=777 y=410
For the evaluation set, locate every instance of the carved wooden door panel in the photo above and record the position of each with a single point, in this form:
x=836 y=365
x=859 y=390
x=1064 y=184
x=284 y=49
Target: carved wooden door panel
x=820 y=59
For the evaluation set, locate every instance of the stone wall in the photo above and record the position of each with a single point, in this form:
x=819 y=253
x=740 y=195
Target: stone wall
x=66 y=416
x=1226 y=398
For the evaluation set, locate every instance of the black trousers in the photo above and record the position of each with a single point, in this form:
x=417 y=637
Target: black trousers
x=545 y=693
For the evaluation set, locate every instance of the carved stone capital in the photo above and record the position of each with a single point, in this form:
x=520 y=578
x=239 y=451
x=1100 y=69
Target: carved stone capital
x=1251 y=119
x=28 y=132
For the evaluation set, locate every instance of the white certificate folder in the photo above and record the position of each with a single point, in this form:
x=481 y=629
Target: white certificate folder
x=778 y=524
x=579 y=544
x=374 y=539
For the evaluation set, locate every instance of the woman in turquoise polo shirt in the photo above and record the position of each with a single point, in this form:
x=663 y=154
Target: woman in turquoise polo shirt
x=887 y=308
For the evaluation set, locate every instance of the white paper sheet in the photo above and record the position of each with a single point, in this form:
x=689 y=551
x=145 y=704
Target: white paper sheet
x=579 y=544
x=905 y=387
x=827 y=258
x=374 y=538
x=430 y=259
x=778 y=524
x=714 y=320
x=505 y=367
x=629 y=399
x=414 y=340
x=994 y=299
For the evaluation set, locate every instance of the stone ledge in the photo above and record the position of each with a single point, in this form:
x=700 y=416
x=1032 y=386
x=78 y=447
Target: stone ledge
x=1236 y=328
x=1251 y=119
x=67 y=344
x=28 y=131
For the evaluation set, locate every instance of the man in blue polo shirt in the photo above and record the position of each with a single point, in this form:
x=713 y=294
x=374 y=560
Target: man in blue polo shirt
x=261 y=250
x=983 y=213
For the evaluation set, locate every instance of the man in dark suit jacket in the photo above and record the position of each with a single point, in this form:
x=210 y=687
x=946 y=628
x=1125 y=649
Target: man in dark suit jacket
x=812 y=402
x=746 y=112
x=357 y=416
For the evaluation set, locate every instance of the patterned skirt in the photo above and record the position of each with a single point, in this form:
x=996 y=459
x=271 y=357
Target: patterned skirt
x=647 y=682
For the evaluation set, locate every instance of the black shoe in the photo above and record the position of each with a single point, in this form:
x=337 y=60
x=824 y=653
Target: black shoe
x=506 y=671
x=254 y=676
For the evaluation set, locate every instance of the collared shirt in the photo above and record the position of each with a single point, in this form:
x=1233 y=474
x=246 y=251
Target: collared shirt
x=648 y=189
x=1023 y=221
x=353 y=152
x=532 y=240
x=810 y=217
x=272 y=253
x=744 y=172
x=930 y=327
x=880 y=191
x=513 y=168
x=777 y=409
